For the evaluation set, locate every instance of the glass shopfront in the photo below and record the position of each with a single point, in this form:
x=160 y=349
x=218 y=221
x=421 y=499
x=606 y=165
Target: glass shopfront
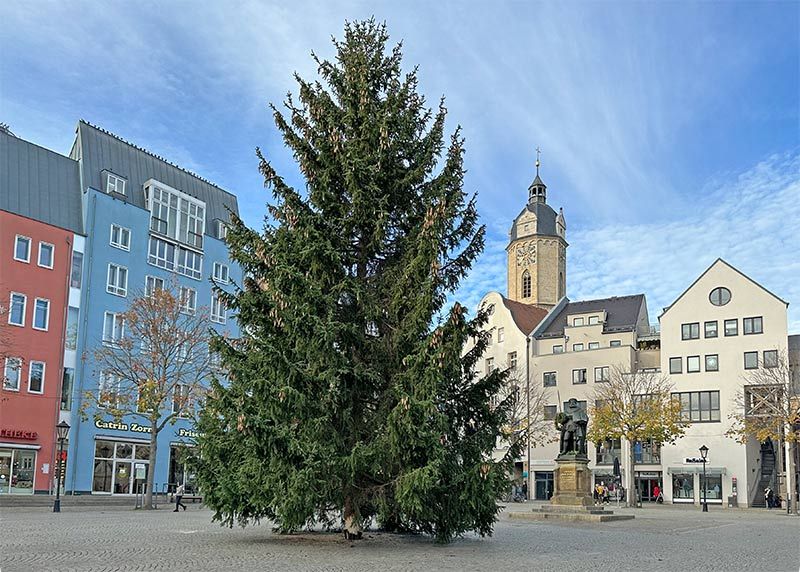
x=543 y=484
x=180 y=471
x=713 y=488
x=17 y=470
x=119 y=468
x=683 y=487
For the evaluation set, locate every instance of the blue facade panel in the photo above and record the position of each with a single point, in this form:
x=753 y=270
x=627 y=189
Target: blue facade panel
x=101 y=212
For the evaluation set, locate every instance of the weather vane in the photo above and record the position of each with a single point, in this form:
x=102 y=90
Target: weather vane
x=538 y=153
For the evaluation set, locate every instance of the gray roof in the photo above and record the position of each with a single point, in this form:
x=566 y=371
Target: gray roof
x=622 y=314
x=39 y=184
x=99 y=150
x=794 y=343
x=545 y=219
x=537 y=182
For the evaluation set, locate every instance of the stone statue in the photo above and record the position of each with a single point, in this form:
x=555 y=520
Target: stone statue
x=572 y=423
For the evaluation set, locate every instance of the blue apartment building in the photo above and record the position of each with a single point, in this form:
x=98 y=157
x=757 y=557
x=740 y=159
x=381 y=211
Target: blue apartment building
x=149 y=223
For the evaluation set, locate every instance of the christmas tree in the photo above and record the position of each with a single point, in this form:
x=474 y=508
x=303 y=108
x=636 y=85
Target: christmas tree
x=351 y=394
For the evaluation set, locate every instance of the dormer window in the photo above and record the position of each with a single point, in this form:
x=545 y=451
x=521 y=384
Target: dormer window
x=115 y=184
x=594 y=320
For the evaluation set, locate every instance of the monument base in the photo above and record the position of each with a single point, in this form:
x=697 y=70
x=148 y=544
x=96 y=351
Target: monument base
x=572 y=481
x=571 y=514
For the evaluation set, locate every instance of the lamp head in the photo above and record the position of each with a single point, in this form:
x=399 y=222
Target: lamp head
x=62 y=430
x=704 y=452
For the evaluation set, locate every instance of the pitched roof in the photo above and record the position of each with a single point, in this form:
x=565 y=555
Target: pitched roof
x=101 y=150
x=39 y=184
x=545 y=219
x=622 y=314
x=526 y=316
x=729 y=265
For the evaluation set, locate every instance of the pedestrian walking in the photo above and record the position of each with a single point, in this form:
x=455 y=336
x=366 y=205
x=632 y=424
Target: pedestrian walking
x=769 y=497
x=525 y=490
x=657 y=494
x=178 y=496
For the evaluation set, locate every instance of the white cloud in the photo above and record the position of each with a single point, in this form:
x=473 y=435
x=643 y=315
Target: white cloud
x=749 y=219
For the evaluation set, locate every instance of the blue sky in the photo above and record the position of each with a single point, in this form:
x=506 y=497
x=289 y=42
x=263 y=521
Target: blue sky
x=670 y=132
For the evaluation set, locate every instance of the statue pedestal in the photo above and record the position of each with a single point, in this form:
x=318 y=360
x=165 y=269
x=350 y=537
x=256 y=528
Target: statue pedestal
x=572 y=481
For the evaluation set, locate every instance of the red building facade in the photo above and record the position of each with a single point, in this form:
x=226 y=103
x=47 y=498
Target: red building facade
x=35 y=264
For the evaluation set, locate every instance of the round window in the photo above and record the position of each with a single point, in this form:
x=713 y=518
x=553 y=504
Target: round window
x=720 y=296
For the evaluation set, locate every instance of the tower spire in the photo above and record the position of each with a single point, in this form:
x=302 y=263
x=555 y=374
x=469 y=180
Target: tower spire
x=537 y=192
x=538 y=153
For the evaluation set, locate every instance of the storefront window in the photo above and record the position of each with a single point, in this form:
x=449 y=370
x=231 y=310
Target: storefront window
x=647 y=452
x=543 y=485
x=713 y=487
x=17 y=470
x=114 y=470
x=683 y=487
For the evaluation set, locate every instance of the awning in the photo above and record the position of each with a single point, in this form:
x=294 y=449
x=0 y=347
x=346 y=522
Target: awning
x=19 y=446
x=688 y=469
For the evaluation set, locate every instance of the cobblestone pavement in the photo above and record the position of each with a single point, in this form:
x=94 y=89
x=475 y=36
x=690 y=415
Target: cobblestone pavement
x=660 y=538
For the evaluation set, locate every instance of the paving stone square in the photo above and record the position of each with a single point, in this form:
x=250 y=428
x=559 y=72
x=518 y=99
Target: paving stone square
x=660 y=538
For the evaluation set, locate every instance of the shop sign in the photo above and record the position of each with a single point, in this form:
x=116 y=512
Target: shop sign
x=114 y=426
x=191 y=433
x=694 y=460
x=19 y=434
x=139 y=471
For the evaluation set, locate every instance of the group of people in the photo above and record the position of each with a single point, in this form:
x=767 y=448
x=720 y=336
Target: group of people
x=771 y=499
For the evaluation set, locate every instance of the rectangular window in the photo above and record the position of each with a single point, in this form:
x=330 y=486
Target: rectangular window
x=550 y=412
x=120 y=237
x=501 y=332
x=188 y=300
x=559 y=349
x=190 y=263
x=221 y=229
x=732 y=327
x=578 y=376
x=577 y=347
x=602 y=374
x=710 y=329
x=577 y=321
x=22 y=249
x=750 y=360
x=46 y=255
x=41 y=314
x=549 y=379
x=690 y=331
x=66 y=389
x=594 y=345
x=108 y=389
x=675 y=365
x=221 y=275
x=217 y=309
x=770 y=358
x=512 y=360
x=753 y=325
x=77 y=270
x=151 y=284
x=115 y=184
x=712 y=362
x=615 y=343
x=699 y=406
x=489 y=365
x=71 y=333
x=11 y=374
x=593 y=320
x=36 y=377
x=16 y=312
x=161 y=253
x=176 y=215
x=692 y=364
x=180 y=400
x=117 y=280
x=113 y=328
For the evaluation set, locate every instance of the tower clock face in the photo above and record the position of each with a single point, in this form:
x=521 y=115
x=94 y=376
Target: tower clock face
x=526 y=254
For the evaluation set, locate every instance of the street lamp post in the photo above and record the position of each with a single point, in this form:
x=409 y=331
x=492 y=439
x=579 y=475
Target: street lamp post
x=62 y=430
x=704 y=456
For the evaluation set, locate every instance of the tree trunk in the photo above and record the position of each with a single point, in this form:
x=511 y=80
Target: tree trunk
x=352 y=519
x=791 y=475
x=151 y=469
x=630 y=478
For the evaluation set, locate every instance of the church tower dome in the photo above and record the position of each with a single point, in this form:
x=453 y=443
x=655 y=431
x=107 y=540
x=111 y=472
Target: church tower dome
x=537 y=250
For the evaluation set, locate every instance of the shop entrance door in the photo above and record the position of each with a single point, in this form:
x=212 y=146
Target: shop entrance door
x=544 y=485
x=5 y=471
x=646 y=487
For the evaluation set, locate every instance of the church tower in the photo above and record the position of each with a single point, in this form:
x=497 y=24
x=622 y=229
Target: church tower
x=537 y=250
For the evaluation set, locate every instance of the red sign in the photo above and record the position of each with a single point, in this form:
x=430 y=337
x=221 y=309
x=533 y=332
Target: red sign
x=19 y=434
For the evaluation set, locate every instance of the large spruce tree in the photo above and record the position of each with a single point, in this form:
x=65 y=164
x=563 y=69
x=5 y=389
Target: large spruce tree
x=350 y=394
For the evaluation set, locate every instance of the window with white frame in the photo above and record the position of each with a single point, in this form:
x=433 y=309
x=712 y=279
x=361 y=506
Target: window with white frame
x=11 y=373
x=76 y=272
x=151 y=284
x=46 y=256
x=222 y=229
x=214 y=359
x=120 y=237
x=115 y=184
x=176 y=215
x=36 y=377
x=16 y=311
x=594 y=345
x=190 y=263
x=221 y=273
x=22 y=249
x=512 y=360
x=180 y=400
x=41 y=314
x=117 y=280
x=188 y=300
x=577 y=347
x=184 y=351
x=577 y=321
x=489 y=365
x=217 y=309
x=113 y=328
x=108 y=389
